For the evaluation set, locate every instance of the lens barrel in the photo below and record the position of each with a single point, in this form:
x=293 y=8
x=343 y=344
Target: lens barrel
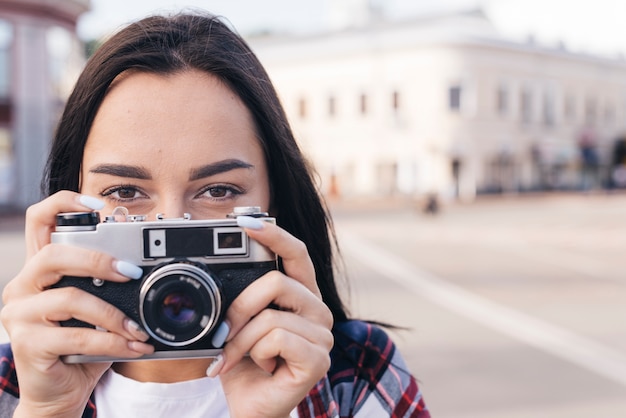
x=179 y=303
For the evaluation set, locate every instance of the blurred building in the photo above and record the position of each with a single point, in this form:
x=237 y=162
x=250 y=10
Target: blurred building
x=40 y=58
x=446 y=105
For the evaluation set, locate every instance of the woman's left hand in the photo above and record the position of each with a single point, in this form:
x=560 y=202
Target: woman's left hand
x=288 y=347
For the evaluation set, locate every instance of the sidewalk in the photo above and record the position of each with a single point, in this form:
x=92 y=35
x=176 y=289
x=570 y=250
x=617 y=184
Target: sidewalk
x=12 y=252
x=11 y=222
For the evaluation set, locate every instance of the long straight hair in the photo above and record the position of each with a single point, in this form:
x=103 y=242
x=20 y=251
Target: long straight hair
x=170 y=44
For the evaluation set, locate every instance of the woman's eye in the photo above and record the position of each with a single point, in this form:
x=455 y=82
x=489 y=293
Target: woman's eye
x=221 y=192
x=126 y=193
x=122 y=193
x=217 y=192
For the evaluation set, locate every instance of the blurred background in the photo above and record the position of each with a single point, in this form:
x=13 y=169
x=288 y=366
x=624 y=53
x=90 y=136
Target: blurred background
x=473 y=154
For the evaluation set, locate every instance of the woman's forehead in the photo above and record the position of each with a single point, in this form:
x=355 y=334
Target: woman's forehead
x=148 y=113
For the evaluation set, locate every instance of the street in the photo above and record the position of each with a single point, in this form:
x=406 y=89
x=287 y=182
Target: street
x=506 y=307
x=515 y=307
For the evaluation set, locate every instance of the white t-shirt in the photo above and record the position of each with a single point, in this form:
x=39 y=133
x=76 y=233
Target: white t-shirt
x=118 y=396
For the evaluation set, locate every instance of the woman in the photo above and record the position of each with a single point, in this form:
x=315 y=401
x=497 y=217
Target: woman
x=176 y=115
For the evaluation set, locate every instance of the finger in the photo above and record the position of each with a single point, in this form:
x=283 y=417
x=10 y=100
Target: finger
x=56 y=260
x=41 y=217
x=280 y=290
x=265 y=323
x=295 y=256
x=62 y=341
x=56 y=305
x=304 y=362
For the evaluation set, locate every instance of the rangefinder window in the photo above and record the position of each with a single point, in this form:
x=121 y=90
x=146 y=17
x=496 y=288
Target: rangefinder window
x=230 y=241
x=178 y=242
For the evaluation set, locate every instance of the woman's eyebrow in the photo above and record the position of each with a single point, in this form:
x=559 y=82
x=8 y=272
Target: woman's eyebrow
x=217 y=168
x=122 y=170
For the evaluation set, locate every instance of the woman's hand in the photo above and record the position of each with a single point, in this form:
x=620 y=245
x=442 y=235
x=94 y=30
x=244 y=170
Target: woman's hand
x=32 y=312
x=288 y=347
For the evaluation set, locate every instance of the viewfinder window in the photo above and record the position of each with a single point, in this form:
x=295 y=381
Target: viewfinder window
x=230 y=241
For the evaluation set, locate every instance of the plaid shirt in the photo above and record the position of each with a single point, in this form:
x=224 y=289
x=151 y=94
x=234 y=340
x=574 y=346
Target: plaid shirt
x=367 y=378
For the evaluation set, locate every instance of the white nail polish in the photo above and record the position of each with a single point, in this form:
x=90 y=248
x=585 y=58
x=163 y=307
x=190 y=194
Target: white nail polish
x=250 y=222
x=215 y=367
x=91 y=202
x=134 y=328
x=128 y=269
x=221 y=333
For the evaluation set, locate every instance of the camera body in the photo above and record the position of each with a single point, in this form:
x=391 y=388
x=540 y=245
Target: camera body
x=192 y=271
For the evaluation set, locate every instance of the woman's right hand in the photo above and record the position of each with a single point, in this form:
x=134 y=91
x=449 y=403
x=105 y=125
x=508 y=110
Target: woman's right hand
x=32 y=312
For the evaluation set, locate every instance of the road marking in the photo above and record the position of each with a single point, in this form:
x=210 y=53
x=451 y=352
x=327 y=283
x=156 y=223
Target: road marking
x=560 y=342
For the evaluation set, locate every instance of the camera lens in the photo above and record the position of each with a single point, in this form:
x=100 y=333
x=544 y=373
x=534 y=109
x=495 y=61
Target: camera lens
x=179 y=303
x=179 y=309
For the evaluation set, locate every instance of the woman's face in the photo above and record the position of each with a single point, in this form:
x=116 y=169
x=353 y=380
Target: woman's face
x=175 y=144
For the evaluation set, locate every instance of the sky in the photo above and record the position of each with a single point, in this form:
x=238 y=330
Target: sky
x=591 y=26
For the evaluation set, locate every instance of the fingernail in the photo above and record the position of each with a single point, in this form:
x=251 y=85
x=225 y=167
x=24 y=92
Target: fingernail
x=91 y=202
x=221 y=333
x=139 y=347
x=128 y=269
x=134 y=328
x=215 y=367
x=250 y=222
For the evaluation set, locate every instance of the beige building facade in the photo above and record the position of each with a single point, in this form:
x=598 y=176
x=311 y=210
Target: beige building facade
x=446 y=106
x=40 y=58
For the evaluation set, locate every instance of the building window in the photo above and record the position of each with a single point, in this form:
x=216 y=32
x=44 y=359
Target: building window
x=395 y=101
x=61 y=58
x=591 y=110
x=526 y=106
x=454 y=98
x=332 y=106
x=548 y=109
x=7 y=157
x=569 y=108
x=7 y=167
x=6 y=41
x=502 y=100
x=609 y=113
x=302 y=108
x=363 y=104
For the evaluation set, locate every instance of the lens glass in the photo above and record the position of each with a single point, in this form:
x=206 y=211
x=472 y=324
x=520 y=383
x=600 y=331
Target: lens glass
x=179 y=309
x=179 y=303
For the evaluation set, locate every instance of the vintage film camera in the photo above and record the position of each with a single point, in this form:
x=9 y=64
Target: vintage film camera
x=193 y=270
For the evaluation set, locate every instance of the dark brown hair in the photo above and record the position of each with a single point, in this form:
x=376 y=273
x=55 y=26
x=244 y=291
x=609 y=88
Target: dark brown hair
x=169 y=44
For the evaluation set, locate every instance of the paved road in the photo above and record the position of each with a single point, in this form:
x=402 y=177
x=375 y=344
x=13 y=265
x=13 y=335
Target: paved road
x=514 y=307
